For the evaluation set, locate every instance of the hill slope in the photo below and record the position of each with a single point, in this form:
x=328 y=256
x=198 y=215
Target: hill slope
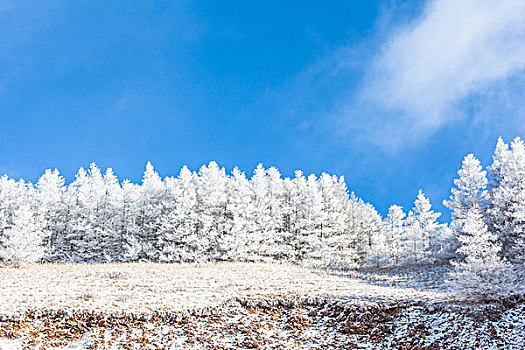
x=240 y=306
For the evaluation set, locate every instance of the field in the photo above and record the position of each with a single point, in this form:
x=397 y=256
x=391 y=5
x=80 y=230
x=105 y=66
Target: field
x=241 y=306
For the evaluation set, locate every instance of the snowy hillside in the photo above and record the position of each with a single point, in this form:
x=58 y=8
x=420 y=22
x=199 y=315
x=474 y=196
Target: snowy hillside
x=240 y=306
x=145 y=287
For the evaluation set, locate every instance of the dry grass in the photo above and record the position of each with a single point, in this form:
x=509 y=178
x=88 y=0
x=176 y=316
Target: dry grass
x=145 y=287
x=273 y=307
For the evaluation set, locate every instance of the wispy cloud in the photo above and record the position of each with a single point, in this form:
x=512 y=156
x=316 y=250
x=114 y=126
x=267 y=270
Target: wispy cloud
x=456 y=56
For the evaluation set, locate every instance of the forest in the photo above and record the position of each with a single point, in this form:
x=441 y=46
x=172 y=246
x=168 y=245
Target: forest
x=210 y=215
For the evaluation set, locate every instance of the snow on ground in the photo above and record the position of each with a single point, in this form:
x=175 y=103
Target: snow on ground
x=144 y=287
x=244 y=306
x=10 y=344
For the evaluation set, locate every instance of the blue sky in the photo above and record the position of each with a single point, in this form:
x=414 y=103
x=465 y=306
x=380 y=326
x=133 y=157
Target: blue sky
x=391 y=95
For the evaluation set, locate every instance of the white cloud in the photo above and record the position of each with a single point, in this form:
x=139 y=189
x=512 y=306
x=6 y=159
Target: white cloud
x=427 y=69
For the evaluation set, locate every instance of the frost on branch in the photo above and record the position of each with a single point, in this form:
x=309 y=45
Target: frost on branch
x=483 y=273
x=23 y=240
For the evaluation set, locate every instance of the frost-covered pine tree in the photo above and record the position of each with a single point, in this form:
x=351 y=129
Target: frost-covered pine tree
x=314 y=196
x=12 y=195
x=394 y=227
x=482 y=273
x=499 y=159
x=333 y=228
x=306 y=215
x=448 y=244
x=243 y=228
x=506 y=213
x=514 y=247
x=178 y=227
x=129 y=218
x=151 y=195
x=78 y=224
x=215 y=220
x=379 y=254
x=260 y=240
x=24 y=239
x=421 y=232
x=109 y=215
x=51 y=211
x=363 y=224
x=280 y=246
x=469 y=192
x=189 y=222
x=95 y=240
x=168 y=234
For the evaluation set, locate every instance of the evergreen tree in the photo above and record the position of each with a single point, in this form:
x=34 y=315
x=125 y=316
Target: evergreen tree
x=306 y=205
x=314 y=217
x=279 y=247
x=130 y=245
x=12 y=195
x=168 y=233
x=97 y=239
x=51 y=209
x=152 y=193
x=78 y=225
x=394 y=226
x=215 y=220
x=499 y=159
x=333 y=225
x=422 y=231
x=363 y=224
x=483 y=273
x=260 y=238
x=24 y=239
x=506 y=214
x=109 y=214
x=244 y=229
x=179 y=223
x=469 y=192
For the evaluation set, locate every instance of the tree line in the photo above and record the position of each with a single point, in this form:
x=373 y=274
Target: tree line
x=208 y=215
x=211 y=215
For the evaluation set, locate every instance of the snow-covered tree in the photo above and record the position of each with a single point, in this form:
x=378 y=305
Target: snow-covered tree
x=152 y=193
x=243 y=229
x=130 y=245
x=51 y=211
x=394 y=227
x=447 y=244
x=482 y=273
x=363 y=224
x=279 y=246
x=95 y=239
x=178 y=227
x=260 y=238
x=334 y=221
x=421 y=232
x=24 y=239
x=109 y=212
x=215 y=220
x=12 y=195
x=506 y=212
x=306 y=203
x=311 y=237
x=499 y=160
x=170 y=240
x=469 y=192
x=78 y=225
x=379 y=254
